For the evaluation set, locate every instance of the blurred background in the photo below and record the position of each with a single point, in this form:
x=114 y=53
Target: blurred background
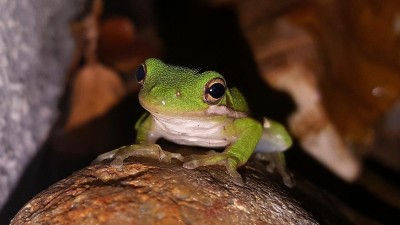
x=329 y=70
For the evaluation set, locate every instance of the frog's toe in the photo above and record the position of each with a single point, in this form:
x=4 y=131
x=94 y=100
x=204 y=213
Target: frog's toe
x=231 y=166
x=105 y=156
x=276 y=162
x=117 y=163
x=168 y=156
x=289 y=180
x=193 y=164
x=223 y=159
x=205 y=160
x=271 y=167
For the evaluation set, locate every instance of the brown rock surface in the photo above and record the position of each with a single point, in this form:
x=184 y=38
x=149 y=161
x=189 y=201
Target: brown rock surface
x=149 y=192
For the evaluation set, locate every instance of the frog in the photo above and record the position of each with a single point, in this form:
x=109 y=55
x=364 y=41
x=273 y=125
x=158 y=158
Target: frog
x=196 y=108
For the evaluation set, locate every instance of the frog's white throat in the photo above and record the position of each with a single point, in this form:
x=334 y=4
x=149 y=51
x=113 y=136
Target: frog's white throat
x=202 y=131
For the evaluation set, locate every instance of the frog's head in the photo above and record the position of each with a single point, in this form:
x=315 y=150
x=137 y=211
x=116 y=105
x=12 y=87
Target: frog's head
x=177 y=91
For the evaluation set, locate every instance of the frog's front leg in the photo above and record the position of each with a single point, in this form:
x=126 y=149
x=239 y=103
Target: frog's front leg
x=138 y=150
x=247 y=132
x=145 y=146
x=274 y=140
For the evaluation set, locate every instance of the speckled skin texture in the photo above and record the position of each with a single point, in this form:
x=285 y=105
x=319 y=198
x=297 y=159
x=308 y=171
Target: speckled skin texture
x=35 y=50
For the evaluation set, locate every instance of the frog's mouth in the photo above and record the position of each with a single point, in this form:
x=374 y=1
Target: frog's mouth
x=161 y=111
x=212 y=110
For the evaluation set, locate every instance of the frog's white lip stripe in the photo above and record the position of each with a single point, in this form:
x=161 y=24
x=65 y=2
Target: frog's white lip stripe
x=223 y=110
x=212 y=110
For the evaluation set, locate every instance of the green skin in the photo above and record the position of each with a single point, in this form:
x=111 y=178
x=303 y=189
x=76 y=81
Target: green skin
x=177 y=95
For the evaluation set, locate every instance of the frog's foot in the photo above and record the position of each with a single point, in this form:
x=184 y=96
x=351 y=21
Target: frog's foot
x=215 y=158
x=150 y=150
x=276 y=161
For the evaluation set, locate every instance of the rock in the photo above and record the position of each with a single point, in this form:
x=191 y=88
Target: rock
x=146 y=191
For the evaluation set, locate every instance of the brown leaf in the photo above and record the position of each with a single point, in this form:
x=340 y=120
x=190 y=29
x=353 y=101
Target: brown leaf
x=95 y=90
x=336 y=60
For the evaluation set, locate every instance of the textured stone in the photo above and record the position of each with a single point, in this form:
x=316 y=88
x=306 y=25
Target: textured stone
x=149 y=192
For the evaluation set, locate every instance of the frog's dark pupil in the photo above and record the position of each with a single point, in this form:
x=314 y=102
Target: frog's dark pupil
x=140 y=73
x=216 y=90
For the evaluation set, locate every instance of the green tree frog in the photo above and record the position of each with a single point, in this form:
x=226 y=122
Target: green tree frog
x=196 y=108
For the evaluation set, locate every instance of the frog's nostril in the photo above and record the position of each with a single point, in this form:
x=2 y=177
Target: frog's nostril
x=177 y=93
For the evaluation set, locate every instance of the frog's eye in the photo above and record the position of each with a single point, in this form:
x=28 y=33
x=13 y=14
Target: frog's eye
x=214 y=90
x=141 y=73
